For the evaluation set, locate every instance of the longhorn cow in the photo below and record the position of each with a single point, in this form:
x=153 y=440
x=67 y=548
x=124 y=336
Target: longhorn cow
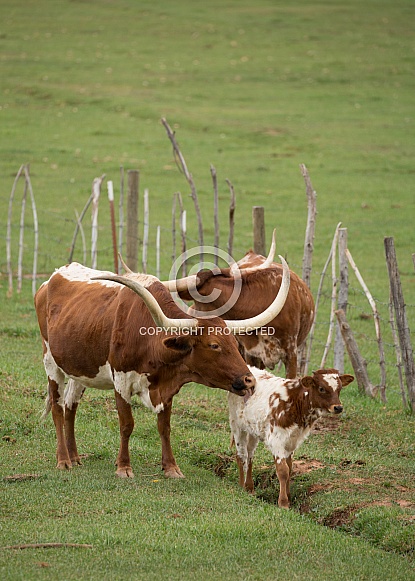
x=98 y=333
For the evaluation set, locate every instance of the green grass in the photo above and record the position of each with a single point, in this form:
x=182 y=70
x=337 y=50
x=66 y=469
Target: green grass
x=254 y=89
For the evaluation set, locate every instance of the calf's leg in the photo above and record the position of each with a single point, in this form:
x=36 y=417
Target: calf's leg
x=283 y=473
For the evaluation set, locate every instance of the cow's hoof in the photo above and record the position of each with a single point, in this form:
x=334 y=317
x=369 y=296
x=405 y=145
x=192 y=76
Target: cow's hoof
x=64 y=465
x=126 y=472
x=173 y=472
x=76 y=462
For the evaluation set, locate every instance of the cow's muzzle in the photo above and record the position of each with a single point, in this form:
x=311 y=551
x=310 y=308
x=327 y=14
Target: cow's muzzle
x=244 y=384
x=336 y=409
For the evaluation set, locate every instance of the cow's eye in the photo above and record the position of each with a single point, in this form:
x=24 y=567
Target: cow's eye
x=214 y=346
x=321 y=389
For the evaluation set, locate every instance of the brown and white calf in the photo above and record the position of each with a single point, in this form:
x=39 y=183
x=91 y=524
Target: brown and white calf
x=98 y=333
x=281 y=413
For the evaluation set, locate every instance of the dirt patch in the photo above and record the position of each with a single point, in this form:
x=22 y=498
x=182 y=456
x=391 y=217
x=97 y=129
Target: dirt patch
x=326 y=424
x=341 y=516
x=222 y=464
x=304 y=466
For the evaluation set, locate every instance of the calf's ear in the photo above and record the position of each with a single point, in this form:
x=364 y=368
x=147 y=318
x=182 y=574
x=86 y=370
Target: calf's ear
x=307 y=381
x=346 y=379
x=179 y=343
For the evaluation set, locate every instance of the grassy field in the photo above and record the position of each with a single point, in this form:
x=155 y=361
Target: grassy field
x=254 y=89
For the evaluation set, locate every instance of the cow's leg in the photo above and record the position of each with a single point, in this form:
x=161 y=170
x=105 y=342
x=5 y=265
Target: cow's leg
x=126 y=421
x=291 y=363
x=56 y=390
x=283 y=473
x=73 y=393
x=168 y=461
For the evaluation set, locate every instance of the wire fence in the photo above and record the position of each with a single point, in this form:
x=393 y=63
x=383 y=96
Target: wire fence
x=52 y=243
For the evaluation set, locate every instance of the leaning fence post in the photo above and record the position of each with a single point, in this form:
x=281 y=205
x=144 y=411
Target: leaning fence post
x=397 y=352
x=359 y=364
x=333 y=295
x=259 y=229
x=376 y=318
x=404 y=333
x=132 y=223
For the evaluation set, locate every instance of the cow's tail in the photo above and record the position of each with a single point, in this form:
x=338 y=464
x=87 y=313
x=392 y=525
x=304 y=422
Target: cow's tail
x=46 y=409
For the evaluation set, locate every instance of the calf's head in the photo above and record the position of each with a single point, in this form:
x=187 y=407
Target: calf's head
x=323 y=389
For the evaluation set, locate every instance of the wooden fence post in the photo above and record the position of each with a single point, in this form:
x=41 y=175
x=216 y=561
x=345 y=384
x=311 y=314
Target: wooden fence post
x=311 y=223
x=132 y=223
x=359 y=364
x=96 y=193
x=215 y=210
x=259 y=229
x=342 y=299
x=401 y=320
x=231 y=218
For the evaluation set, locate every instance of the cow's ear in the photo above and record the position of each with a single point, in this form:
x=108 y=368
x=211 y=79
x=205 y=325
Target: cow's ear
x=346 y=379
x=180 y=343
x=307 y=381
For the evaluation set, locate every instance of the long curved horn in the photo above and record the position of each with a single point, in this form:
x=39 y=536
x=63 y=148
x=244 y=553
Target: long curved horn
x=159 y=317
x=125 y=267
x=266 y=264
x=182 y=284
x=245 y=325
x=270 y=258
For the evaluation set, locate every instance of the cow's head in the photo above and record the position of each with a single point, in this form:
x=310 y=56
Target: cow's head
x=211 y=354
x=207 y=346
x=323 y=388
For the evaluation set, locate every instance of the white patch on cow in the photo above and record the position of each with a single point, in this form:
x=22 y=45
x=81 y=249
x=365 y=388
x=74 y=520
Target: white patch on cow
x=127 y=384
x=268 y=349
x=73 y=393
x=76 y=272
x=133 y=383
x=332 y=380
x=306 y=393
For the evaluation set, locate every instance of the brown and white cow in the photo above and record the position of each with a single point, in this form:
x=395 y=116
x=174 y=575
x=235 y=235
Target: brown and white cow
x=98 y=333
x=281 y=413
x=261 y=281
